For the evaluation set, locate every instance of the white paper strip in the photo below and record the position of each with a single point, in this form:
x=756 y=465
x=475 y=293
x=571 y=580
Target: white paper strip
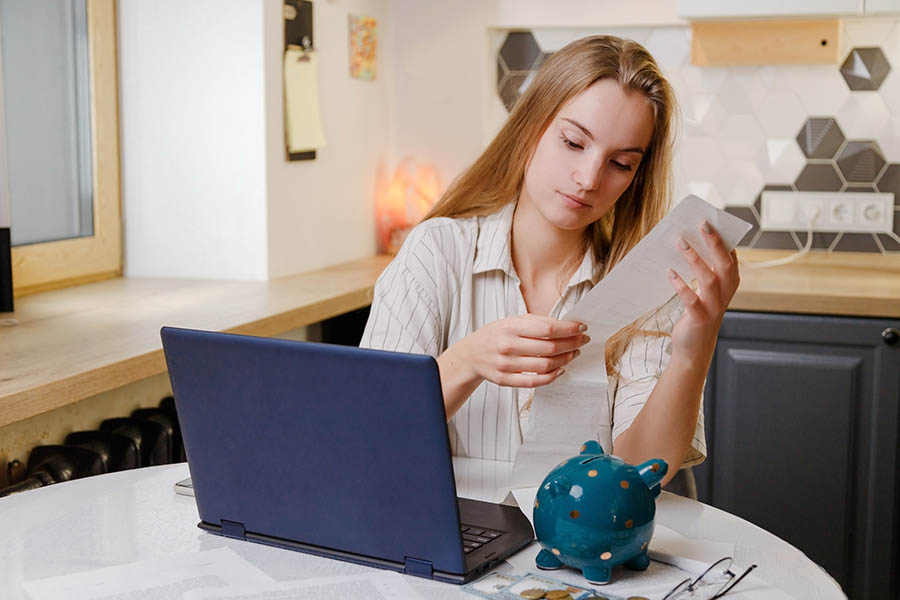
x=574 y=408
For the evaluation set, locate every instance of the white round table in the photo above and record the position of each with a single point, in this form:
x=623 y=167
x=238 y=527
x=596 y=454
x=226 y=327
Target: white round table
x=135 y=515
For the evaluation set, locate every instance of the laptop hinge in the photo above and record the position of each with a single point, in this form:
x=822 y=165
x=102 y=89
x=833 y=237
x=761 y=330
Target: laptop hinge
x=233 y=529
x=421 y=568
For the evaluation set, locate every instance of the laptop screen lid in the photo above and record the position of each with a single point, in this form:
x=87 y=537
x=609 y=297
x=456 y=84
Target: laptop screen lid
x=340 y=448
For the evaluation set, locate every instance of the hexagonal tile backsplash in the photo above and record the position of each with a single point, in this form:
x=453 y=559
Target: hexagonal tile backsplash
x=865 y=69
x=749 y=129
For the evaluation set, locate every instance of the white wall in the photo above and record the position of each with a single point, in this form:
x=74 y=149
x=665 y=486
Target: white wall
x=439 y=77
x=321 y=212
x=207 y=191
x=585 y=13
x=192 y=101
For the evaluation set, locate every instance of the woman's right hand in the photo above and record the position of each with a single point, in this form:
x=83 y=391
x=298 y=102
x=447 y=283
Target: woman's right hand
x=523 y=352
x=526 y=351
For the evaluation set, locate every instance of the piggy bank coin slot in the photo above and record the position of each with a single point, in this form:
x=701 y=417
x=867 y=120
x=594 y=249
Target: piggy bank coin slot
x=590 y=460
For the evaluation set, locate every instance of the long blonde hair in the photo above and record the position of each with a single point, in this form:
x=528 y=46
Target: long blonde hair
x=496 y=177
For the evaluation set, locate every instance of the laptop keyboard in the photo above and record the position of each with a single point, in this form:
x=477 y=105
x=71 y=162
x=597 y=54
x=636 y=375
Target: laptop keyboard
x=476 y=537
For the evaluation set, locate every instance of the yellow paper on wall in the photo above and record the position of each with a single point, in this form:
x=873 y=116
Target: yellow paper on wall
x=301 y=102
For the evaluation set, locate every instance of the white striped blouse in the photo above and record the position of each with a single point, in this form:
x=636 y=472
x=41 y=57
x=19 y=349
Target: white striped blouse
x=453 y=276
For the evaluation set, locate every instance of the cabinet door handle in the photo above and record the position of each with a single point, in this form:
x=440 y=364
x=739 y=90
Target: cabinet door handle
x=890 y=336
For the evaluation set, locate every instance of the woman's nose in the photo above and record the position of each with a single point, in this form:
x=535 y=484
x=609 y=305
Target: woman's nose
x=588 y=176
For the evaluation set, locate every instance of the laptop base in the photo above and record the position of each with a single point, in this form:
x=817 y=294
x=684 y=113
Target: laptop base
x=517 y=534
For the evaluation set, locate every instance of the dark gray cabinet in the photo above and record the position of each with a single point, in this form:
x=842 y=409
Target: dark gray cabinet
x=802 y=429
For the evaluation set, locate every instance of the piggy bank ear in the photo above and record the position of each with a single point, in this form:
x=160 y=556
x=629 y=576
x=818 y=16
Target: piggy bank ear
x=558 y=486
x=591 y=447
x=652 y=472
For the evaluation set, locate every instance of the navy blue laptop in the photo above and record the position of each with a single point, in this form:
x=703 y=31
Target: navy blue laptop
x=332 y=450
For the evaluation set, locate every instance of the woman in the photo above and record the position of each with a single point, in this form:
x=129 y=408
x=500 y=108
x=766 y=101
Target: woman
x=575 y=178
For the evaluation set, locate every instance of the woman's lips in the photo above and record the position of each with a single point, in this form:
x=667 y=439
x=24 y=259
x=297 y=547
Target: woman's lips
x=574 y=201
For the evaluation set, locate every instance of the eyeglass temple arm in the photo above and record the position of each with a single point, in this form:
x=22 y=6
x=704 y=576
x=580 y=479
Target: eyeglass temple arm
x=733 y=583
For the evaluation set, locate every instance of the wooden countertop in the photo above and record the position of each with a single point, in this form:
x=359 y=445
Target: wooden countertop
x=75 y=343
x=849 y=284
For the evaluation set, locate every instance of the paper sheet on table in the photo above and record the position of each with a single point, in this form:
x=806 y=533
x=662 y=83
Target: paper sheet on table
x=372 y=586
x=161 y=579
x=574 y=408
x=301 y=102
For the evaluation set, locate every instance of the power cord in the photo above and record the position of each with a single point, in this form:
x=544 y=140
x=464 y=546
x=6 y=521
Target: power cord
x=812 y=214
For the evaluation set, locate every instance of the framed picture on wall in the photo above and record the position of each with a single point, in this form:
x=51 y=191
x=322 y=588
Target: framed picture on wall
x=363 y=44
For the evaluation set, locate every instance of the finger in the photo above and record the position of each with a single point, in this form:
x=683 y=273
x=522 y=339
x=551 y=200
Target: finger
x=540 y=347
x=537 y=326
x=701 y=270
x=538 y=364
x=724 y=266
x=688 y=297
x=523 y=380
x=722 y=262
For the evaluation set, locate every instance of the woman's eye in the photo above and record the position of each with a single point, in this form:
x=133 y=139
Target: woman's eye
x=571 y=144
x=621 y=166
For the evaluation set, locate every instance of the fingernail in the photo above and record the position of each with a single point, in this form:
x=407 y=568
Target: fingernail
x=682 y=243
x=577 y=352
x=560 y=372
x=585 y=339
x=672 y=274
x=582 y=328
x=705 y=227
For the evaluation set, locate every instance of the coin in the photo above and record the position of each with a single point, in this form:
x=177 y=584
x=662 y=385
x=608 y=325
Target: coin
x=533 y=594
x=557 y=594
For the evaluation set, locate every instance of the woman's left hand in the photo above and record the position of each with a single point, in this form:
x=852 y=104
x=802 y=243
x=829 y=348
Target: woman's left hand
x=694 y=336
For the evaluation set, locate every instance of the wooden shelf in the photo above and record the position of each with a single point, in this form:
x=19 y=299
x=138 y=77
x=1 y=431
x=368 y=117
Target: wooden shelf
x=75 y=343
x=766 y=42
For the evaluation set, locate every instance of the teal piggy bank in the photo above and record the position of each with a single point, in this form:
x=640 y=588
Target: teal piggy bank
x=594 y=512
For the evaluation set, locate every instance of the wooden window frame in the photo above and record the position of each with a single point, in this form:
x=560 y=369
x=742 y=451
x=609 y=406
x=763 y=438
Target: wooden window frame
x=63 y=263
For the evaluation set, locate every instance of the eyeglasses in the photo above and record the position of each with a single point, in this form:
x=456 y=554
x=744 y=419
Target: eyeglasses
x=714 y=582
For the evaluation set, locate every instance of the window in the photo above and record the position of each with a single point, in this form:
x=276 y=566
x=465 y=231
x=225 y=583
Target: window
x=60 y=136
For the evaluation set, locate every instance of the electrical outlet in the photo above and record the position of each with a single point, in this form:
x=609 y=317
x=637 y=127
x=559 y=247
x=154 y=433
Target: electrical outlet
x=828 y=211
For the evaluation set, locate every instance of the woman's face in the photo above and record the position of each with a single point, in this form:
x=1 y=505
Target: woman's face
x=588 y=155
